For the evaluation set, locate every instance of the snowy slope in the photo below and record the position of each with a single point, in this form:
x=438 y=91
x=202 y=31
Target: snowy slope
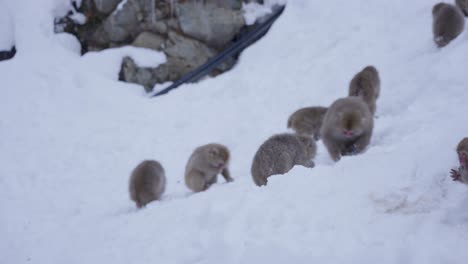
x=70 y=134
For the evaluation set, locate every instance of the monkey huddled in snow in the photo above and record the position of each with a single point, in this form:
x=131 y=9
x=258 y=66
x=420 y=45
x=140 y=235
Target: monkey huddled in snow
x=280 y=153
x=347 y=127
x=147 y=182
x=448 y=23
x=461 y=174
x=204 y=165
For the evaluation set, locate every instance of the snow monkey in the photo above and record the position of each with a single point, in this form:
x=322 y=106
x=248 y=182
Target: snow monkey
x=461 y=174
x=307 y=121
x=366 y=84
x=463 y=5
x=204 y=165
x=147 y=182
x=280 y=153
x=347 y=127
x=448 y=23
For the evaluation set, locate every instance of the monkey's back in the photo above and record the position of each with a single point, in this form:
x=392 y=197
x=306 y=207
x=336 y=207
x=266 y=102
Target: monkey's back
x=147 y=182
x=277 y=155
x=307 y=120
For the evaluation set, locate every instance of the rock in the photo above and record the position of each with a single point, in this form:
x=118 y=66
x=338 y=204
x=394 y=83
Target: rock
x=150 y=41
x=121 y=26
x=192 y=52
x=209 y=23
x=106 y=6
x=7 y=37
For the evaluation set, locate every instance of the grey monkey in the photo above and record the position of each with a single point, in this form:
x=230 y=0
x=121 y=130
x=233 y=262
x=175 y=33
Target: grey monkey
x=366 y=85
x=204 y=165
x=147 y=182
x=347 y=127
x=461 y=174
x=307 y=121
x=463 y=5
x=280 y=153
x=448 y=23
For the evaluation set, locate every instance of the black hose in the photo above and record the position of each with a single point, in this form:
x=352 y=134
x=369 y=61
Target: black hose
x=235 y=48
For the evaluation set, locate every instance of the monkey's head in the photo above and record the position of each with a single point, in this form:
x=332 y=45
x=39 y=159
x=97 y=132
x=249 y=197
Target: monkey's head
x=217 y=156
x=350 y=124
x=437 y=8
x=370 y=70
x=462 y=151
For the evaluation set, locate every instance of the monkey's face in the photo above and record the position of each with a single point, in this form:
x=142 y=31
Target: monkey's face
x=463 y=158
x=351 y=125
x=218 y=158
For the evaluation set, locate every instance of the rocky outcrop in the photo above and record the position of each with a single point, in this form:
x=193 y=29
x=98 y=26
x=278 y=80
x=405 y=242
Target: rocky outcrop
x=189 y=32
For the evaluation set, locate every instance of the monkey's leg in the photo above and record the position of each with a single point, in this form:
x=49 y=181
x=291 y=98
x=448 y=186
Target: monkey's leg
x=333 y=149
x=197 y=181
x=227 y=175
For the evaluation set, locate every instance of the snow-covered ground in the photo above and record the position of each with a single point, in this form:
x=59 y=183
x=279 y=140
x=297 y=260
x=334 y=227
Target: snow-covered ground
x=70 y=134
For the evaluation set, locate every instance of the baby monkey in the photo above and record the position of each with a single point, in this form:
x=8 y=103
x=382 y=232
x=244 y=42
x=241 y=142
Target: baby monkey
x=366 y=85
x=204 y=165
x=308 y=121
x=461 y=174
x=147 y=182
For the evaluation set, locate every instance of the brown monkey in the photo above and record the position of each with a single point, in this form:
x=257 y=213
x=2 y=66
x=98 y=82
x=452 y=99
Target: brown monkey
x=147 y=182
x=347 y=127
x=307 y=121
x=448 y=23
x=204 y=165
x=366 y=85
x=280 y=153
x=461 y=174
x=463 y=5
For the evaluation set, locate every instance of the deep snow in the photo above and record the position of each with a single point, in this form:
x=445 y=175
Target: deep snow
x=70 y=134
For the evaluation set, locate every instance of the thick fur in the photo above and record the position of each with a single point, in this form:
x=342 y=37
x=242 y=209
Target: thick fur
x=463 y=5
x=448 y=23
x=461 y=174
x=280 y=153
x=308 y=121
x=366 y=85
x=147 y=182
x=348 y=114
x=204 y=165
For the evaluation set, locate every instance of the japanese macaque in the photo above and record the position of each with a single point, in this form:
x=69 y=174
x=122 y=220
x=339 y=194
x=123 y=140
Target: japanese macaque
x=347 y=127
x=461 y=174
x=463 y=5
x=147 y=183
x=280 y=153
x=308 y=121
x=204 y=165
x=366 y=85
x=448 y=23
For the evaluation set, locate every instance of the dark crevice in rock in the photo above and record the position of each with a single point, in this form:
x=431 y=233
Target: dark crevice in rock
x=6 y=55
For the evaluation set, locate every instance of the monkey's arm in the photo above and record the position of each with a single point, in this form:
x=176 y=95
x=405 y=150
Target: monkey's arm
x=455 y=174
x=227 y=175
x=361 y=143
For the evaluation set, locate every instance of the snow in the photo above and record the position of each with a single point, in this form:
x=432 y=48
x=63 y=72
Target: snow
x=70 y=134
x=7 y=38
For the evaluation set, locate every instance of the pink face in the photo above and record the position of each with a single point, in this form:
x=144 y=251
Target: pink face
x=463 y=158
x=348 y=133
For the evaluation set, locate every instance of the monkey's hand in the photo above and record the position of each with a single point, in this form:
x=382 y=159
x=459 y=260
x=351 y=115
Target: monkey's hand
x=350 y=150
x=455 y=174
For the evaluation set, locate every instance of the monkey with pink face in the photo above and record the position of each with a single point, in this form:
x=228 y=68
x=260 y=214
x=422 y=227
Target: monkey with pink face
x=461 y=174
